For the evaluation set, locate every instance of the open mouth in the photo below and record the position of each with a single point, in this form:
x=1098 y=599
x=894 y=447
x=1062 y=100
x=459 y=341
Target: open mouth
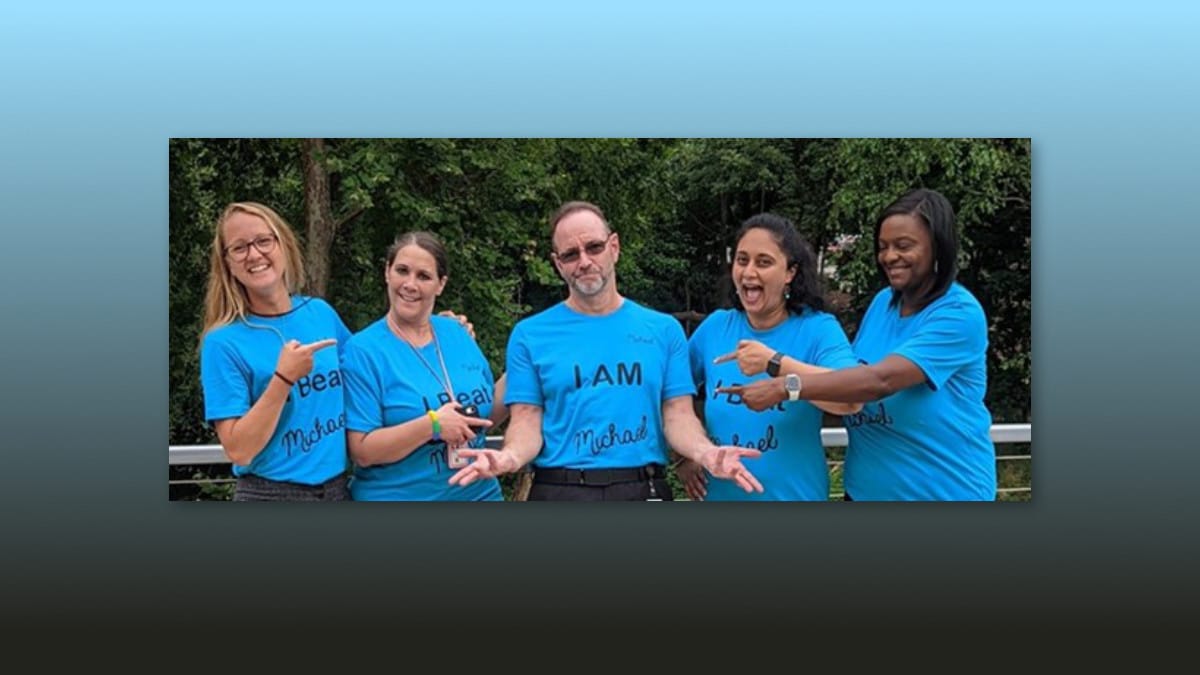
x=255 y=269
x=751 y=294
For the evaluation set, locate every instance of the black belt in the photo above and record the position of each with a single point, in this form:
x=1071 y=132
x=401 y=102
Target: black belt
x=598 y=477
x=332 y=482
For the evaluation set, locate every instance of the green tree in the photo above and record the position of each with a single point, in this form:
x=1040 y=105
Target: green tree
x=675 y=203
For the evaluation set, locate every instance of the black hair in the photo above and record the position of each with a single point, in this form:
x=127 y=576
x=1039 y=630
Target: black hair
x=934 y=210
x=805 y=287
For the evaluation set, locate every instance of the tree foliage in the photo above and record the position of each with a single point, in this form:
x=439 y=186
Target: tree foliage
x=675 y=203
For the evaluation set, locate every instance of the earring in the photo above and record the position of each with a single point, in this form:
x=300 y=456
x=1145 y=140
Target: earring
x=787 y=294
x=935 y=267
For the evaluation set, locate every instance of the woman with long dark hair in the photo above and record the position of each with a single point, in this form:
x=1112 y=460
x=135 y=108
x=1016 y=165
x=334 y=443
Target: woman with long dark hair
x=777 y=326
x=923 y=432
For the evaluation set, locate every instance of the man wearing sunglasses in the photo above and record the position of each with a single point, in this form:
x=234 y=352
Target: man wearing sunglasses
x=599 y=386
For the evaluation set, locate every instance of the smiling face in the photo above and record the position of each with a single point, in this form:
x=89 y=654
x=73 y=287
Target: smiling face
x=245 y=237
x=905 y=252
x=586 y=252
x=413 y=284
x=761 y=274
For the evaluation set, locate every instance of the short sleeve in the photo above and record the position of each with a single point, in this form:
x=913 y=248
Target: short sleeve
x=832 y=349
x=951 y=336
x=696 y=345
x=363 y=390
x=343 y=334
x=679 y=380
x=523 y=384
x=224 y=380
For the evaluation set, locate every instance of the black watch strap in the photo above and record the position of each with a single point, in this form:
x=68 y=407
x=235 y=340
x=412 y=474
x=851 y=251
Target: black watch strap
x=774 y=363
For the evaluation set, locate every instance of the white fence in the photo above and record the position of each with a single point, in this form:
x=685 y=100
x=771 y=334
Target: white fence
x=830 y=438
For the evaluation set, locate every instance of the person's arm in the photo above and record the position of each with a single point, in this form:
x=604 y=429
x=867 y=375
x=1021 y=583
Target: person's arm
x=952 y=333
x=850 y=385
x=522 y=442
x=789 y=365
x=752 y=358
x=686 y=435
x=392 y=444
x=690 y=474
x=499 y=409
x=683 y=429
x=693 y=478
x=389 y=444
x=244 y=437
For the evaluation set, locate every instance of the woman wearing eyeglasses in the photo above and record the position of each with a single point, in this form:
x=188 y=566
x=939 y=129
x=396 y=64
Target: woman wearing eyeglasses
x=418 y=388
x=777 y=326
x=272 y=383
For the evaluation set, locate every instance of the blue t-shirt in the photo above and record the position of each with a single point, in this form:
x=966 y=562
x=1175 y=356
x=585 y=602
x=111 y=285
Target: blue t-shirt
x=792 y=466
x=387 y=384
x=601 y=382
x=930 y=441
x=237 y=362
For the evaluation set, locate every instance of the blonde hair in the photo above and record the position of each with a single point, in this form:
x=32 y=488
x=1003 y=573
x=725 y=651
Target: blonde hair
x=226 y=298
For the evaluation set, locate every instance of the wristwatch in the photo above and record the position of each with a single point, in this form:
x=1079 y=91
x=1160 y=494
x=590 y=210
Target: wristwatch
x=774 y=363
x=791 y=384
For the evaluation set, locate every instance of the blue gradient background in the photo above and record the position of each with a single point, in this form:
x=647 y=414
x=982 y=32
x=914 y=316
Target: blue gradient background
x=92 y=93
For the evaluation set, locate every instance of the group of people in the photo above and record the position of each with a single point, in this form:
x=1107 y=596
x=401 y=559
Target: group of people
x=598 y=390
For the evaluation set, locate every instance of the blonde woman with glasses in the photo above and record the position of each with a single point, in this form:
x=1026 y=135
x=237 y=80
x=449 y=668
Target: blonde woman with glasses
x=269 y=364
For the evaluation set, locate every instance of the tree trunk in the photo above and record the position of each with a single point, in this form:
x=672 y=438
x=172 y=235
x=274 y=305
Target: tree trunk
x=318 y=215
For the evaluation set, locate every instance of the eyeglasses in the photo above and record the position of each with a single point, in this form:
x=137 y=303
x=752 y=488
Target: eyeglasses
x=265 y=244
x=593 y=249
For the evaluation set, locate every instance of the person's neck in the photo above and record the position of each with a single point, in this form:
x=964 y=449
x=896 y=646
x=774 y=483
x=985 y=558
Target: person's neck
x=276 y=302
x=417 y=333
x=913 y=301
x=769 y=319
x=596 y=305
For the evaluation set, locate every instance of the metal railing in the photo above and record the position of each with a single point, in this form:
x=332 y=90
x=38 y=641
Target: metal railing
x=832 y=437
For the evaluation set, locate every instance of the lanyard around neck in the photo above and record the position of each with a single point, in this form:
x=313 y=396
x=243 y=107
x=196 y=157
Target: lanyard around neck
x=447 y=384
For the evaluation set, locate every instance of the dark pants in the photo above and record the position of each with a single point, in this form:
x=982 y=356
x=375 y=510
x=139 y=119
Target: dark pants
x=601 y=486
x=251 y=488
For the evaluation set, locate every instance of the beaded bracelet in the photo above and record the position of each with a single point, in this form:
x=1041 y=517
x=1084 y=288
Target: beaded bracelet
x=437 y=426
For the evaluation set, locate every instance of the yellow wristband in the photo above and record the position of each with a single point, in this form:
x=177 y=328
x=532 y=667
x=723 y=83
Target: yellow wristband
x=437 y=426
